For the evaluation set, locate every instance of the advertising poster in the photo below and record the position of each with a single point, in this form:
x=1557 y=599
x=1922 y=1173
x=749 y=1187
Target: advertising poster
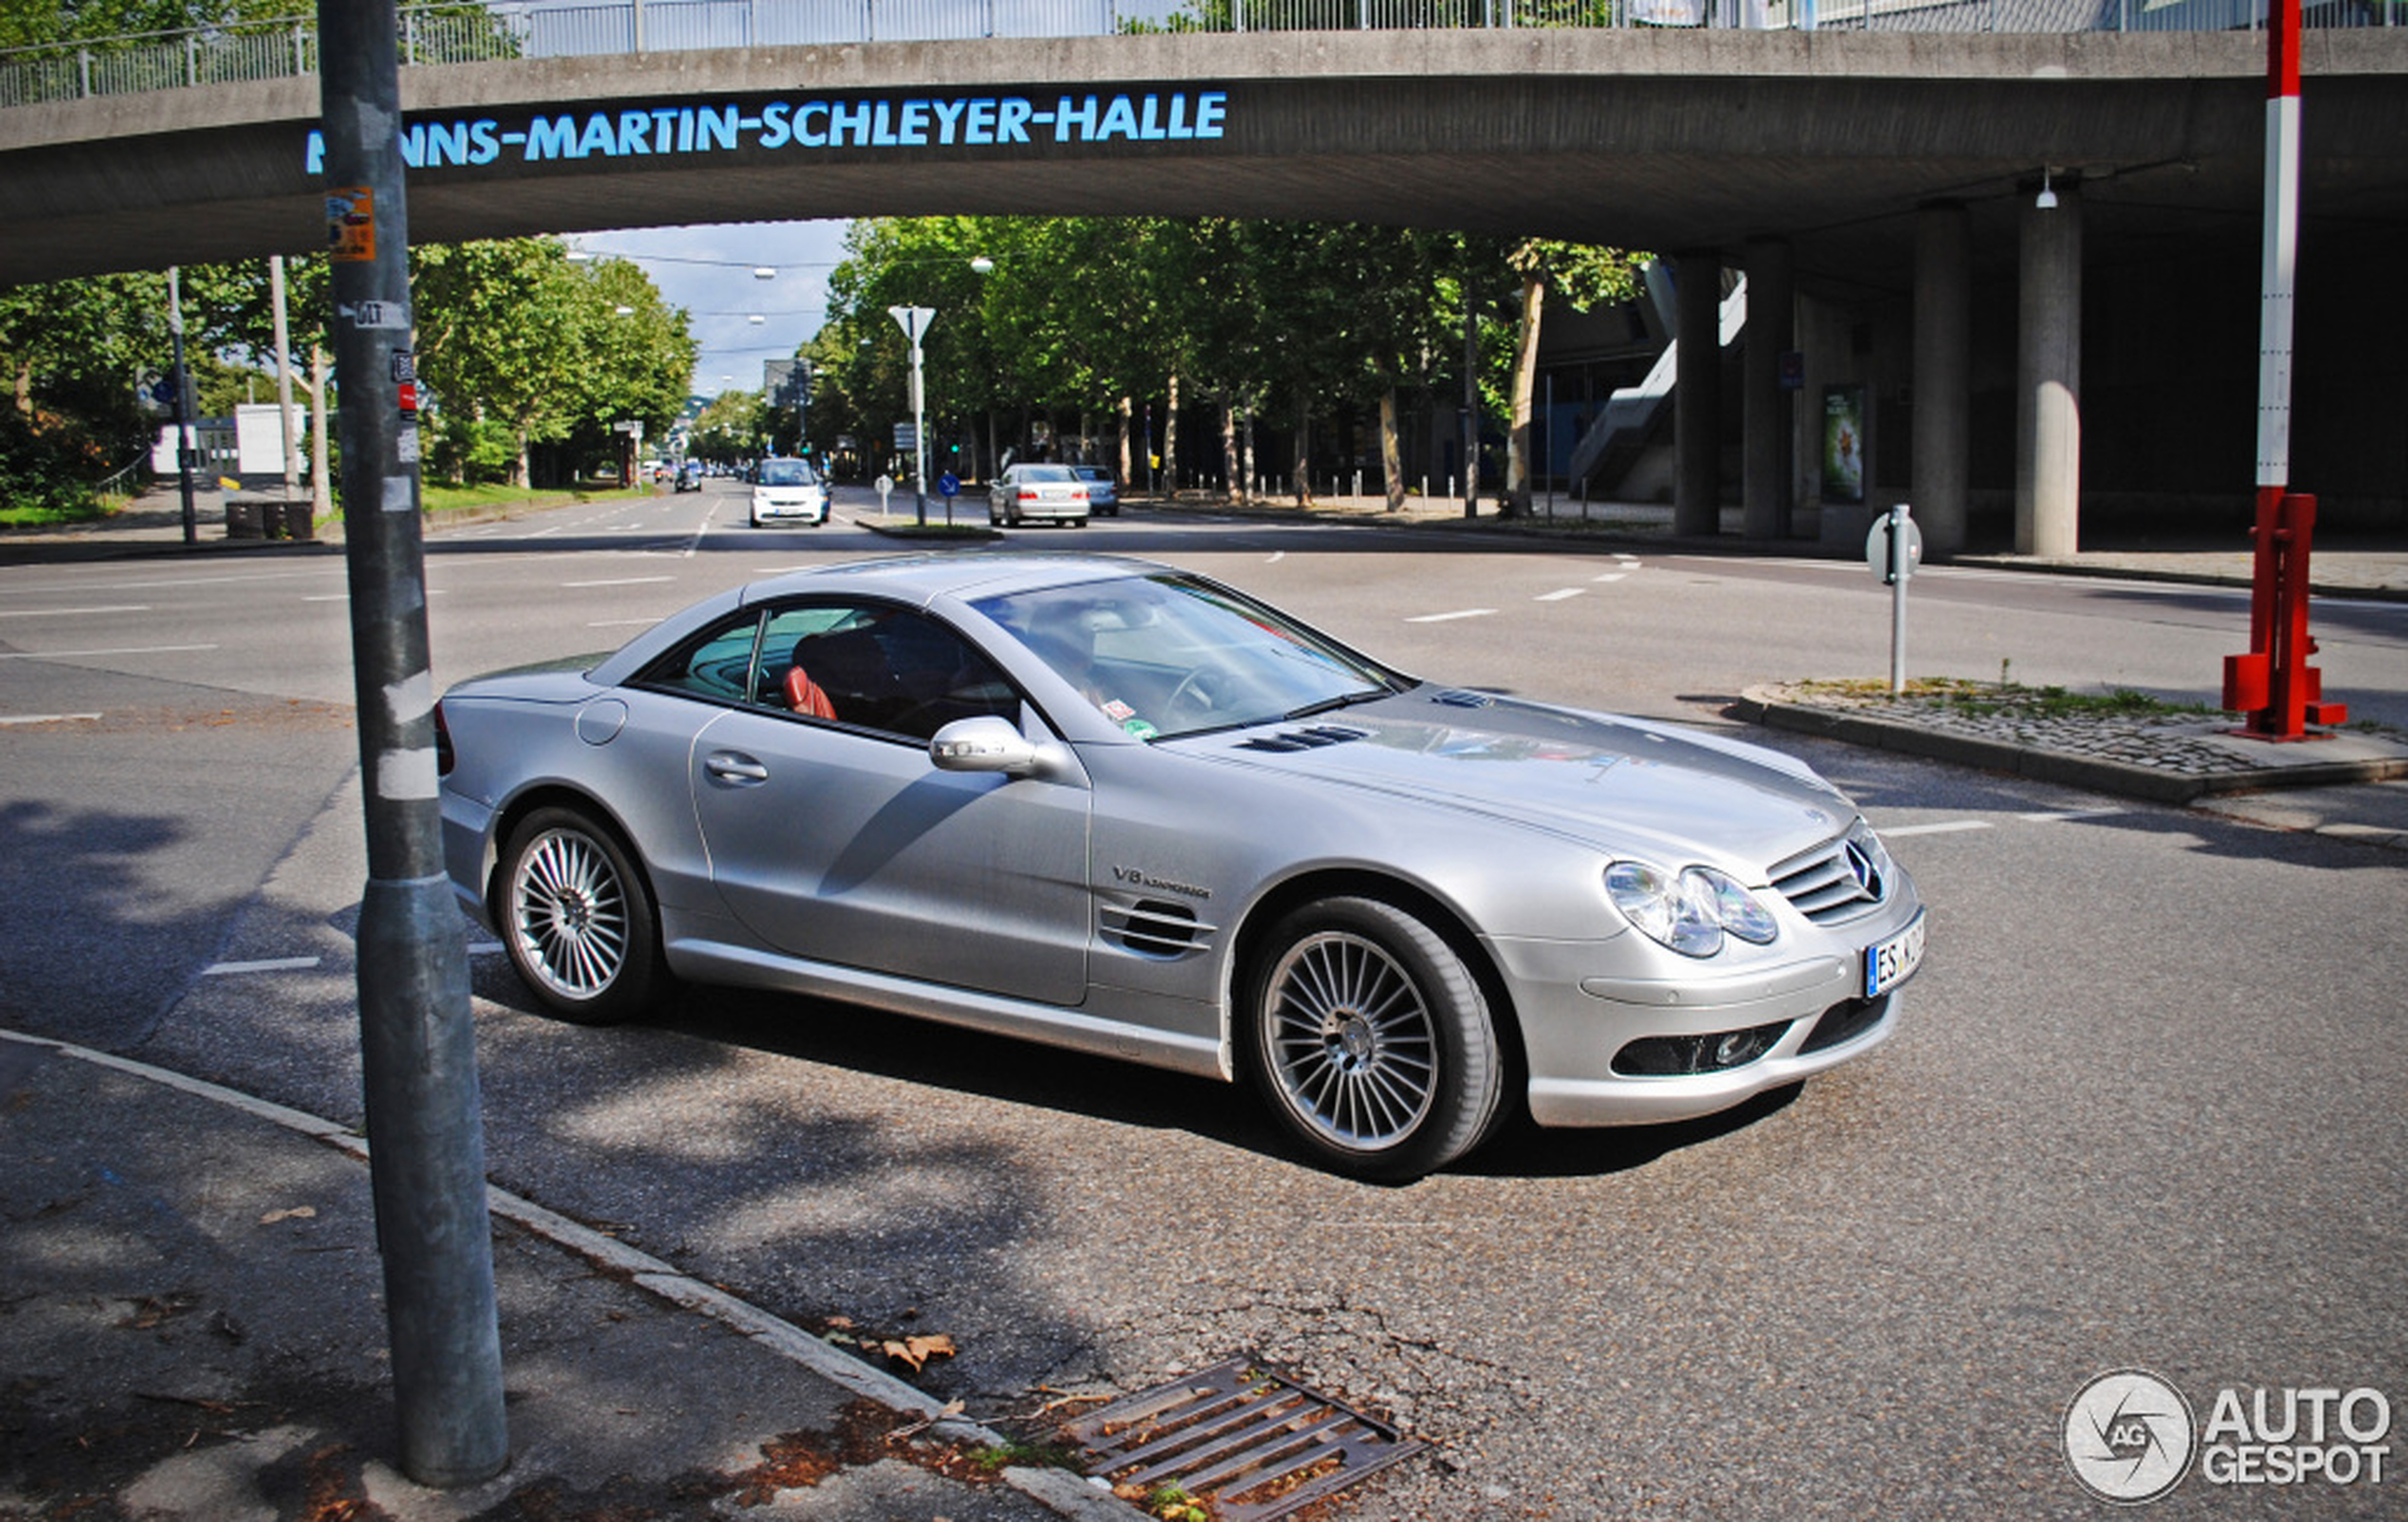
x=1843 y=443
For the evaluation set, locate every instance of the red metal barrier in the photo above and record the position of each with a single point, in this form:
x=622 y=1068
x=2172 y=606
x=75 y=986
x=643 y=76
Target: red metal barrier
x=2273 y=686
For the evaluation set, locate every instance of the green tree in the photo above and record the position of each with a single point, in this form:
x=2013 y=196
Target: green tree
x=73 y=351
x=1584 y=275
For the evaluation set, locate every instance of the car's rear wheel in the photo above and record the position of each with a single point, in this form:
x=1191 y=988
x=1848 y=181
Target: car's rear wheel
x=577 y=920
x=1372 y=1041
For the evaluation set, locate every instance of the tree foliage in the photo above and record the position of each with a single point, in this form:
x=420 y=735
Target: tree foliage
x=1291 y=321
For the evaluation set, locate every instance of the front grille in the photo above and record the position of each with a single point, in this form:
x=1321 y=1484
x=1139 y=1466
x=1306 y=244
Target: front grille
x=1835 y=882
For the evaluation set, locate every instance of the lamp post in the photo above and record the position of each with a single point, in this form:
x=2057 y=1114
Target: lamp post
x=914 y=320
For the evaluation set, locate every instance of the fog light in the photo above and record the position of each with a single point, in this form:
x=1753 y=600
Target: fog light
x=1679 y=1056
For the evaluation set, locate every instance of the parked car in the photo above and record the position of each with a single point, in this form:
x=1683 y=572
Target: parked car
x=1103 y=494
x=1030 y=492
x=1121 y=808
x=789 y=492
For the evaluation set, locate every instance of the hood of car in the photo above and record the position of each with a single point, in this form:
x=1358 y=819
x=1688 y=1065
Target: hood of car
x=1622 y=785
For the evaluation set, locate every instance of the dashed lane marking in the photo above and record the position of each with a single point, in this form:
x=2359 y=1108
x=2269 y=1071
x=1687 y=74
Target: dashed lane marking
x=1559 y=594
x=122 y=650
x=229 y=969
x=1945 y=827
x=1446 y=617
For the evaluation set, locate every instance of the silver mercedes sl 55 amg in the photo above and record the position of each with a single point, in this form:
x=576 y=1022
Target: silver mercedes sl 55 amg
x=1119 y=807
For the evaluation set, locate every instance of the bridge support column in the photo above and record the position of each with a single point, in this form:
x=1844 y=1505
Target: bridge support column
x=1697 y=394
x=2047 y=483
x=1943 y=369
x=1767 y=461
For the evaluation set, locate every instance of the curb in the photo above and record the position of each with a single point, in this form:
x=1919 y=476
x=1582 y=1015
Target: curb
x=2088 y=772
x=1057 y=1490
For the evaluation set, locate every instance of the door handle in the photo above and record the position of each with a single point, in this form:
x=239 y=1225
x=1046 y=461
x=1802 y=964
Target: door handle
x=729 y=766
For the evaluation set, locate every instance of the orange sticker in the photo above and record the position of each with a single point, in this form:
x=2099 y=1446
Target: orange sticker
x=350 y=224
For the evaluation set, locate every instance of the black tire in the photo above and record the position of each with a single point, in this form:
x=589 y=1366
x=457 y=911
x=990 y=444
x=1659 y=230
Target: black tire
x=1371 y=1040
x=577 y=920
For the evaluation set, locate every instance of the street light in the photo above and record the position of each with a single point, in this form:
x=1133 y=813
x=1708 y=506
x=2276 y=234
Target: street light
x=914 y=320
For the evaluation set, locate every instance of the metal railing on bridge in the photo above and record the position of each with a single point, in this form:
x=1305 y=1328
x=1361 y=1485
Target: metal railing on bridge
x=461 y=32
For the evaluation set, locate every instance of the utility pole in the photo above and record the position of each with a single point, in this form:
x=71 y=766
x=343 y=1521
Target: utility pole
x=417 y=1044
x=183 y=404
x=914 y=320
x=284 y=378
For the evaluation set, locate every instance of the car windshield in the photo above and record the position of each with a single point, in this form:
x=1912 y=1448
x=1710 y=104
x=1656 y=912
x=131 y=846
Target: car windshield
x=785 y=473
x=1045 y=472
x=1168 y=654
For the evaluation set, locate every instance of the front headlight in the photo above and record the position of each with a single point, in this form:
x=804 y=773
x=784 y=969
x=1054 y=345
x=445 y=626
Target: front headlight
x=1691 y=912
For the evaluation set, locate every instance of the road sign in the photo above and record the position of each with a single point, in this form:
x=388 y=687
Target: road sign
x=949 y=484
x=1877 y=546
x=907 y=436
x=1893 y=549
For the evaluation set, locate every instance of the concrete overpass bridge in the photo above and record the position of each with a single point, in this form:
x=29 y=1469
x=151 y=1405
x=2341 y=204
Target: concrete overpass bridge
x=1878 y=187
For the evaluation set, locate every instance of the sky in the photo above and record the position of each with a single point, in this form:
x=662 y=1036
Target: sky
x=709 y=272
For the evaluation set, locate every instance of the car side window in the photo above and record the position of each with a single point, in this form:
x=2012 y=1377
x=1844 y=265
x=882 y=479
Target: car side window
x=873 y=667
x=719 y=664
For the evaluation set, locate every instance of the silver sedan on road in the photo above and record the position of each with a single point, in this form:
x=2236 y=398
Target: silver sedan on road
x=1121 y=807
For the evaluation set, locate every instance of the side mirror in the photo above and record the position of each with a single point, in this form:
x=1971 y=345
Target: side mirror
x=985 y=744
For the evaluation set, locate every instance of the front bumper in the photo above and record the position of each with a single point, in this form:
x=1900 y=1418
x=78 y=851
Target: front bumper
x=1804 y=1016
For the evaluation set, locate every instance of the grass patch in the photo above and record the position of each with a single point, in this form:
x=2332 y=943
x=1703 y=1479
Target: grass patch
x=53 y=515
x=436 y=499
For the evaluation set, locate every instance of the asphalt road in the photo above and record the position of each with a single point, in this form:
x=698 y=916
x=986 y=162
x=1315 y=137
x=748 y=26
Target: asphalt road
x=2143 y=1108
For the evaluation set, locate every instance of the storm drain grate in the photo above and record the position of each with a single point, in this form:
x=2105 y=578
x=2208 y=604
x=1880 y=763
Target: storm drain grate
x=1257 y=1446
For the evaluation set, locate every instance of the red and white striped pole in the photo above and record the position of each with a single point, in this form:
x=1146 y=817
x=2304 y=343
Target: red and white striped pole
x=2281 y=247
x=2273 y=684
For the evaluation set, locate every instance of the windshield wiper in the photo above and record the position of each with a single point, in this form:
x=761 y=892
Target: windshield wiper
x=1344 y=700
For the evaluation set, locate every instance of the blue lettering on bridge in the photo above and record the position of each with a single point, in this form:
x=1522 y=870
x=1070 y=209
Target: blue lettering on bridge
x=783 y=126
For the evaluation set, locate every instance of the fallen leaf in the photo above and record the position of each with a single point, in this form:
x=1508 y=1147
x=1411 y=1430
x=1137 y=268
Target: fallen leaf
x=293 y=1212
x=917 y=1350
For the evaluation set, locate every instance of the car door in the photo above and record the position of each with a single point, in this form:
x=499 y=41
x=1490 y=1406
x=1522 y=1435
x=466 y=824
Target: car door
x=835 y=838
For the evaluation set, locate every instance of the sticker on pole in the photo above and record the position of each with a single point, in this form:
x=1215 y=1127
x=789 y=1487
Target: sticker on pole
x=351 y=224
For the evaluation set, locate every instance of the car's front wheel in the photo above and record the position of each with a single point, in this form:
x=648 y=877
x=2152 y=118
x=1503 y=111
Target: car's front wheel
x=577 y=920
x=1372 y=1041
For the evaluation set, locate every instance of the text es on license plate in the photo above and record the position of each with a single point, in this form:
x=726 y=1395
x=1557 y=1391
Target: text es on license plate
x=1889 y=963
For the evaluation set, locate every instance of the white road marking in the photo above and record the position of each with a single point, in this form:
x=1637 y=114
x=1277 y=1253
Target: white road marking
x=1946 y=827
x=2067 y=814
x=44 y=717
x=69 y=612
x=77 y=654
x=1559 y=594
x=223 y=970
x=1609 y=576
x=620 y=581
x=1445 y=617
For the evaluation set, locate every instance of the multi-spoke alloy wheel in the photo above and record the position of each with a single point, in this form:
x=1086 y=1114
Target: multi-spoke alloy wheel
x=577 y=920
x=1350 y=1041
x=1372 y=1040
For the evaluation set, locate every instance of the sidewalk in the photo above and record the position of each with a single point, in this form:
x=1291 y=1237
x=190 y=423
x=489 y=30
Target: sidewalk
x=195 y=1332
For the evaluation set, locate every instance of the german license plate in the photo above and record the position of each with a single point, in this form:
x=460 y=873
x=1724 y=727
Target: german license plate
x=1889 y=963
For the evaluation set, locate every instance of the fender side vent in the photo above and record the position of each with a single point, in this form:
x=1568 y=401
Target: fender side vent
x=1154 y=927
x=1455 y=697
x=1254 y=1444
